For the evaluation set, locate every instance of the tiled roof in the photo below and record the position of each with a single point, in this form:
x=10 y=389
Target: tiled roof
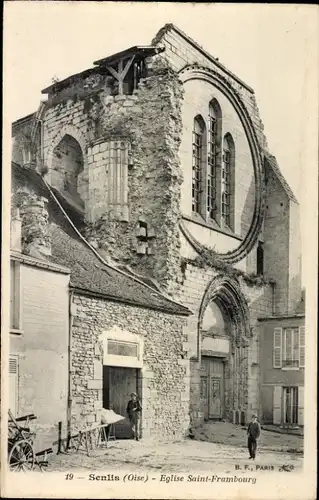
x=88 y=273
x=272 y=162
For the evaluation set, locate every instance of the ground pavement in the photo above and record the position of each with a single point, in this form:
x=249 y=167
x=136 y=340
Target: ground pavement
x=188 y=455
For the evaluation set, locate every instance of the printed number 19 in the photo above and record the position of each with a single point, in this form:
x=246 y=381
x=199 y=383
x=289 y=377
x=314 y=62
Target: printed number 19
x=69 y=476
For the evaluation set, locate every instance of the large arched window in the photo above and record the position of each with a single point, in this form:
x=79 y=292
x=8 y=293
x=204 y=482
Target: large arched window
x=199 y=134
x=227 y=182
x=213 y=176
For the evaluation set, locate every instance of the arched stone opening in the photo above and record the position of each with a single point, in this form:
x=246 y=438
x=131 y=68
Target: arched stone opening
x=223 y=341
x=66 y=170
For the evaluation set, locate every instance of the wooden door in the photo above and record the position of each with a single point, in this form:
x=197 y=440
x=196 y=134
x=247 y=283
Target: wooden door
x=118 y=385
x=204 y=376
x=212 y=387
x=216 y=388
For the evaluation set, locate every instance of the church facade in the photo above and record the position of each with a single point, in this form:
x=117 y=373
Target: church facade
x=161 y=151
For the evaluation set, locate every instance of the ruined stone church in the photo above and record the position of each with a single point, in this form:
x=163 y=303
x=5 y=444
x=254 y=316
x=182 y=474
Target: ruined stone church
x=156 y=159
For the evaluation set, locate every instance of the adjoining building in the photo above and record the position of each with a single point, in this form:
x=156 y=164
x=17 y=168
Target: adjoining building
x=282 y=361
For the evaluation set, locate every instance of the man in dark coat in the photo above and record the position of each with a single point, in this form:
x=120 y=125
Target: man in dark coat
x=134 y=410
x=253 y=433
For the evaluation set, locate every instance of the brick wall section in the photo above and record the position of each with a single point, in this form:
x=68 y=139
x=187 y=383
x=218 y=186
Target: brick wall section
x=165 y=374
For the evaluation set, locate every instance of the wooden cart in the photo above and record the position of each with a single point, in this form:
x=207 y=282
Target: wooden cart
x=21 y=453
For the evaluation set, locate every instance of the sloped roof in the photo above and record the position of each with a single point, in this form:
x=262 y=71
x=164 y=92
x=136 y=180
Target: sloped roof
x=88 y=273
x=272 y=162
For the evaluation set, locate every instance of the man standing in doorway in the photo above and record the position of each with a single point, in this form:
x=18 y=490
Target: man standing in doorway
x=253 y=433
x=134 y=410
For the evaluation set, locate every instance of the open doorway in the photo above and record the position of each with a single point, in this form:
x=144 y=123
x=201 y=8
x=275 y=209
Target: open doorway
x=118 y=385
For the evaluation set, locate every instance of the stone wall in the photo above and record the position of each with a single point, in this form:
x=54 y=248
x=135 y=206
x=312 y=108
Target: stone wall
x=34 y=219
x=149 y=123
x=165 y=373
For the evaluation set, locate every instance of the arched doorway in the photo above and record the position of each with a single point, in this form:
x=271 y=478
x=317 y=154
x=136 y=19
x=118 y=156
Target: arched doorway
x=215 y=346
x=224 y=333
x=66 y=169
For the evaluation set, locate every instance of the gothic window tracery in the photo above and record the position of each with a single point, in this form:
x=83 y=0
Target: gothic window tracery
x=227 y=184
x=213 y=169
x=213 y=178
x=199 y=132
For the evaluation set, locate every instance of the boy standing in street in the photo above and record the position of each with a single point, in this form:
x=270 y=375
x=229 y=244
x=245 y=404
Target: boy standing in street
x=253 y=433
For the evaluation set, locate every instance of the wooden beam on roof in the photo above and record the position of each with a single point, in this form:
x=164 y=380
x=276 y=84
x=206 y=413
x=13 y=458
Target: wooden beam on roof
x=121 y=72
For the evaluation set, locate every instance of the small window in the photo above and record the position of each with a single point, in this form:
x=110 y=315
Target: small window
x=15 y=306
x=290 y=347
x=118 y=348
x=260 y=259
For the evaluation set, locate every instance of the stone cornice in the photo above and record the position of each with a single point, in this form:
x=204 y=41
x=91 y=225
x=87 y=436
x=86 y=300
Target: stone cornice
x=43 y=264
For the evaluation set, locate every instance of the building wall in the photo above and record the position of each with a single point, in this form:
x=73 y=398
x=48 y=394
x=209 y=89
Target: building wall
x=276 y=377
x=276 y=241
x=165 y=374
x=42 y=349
x=294 y=291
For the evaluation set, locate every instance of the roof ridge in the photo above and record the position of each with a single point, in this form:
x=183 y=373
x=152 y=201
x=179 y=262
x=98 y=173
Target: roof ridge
x=273 y=163
x=101 y=258
x=171 y=26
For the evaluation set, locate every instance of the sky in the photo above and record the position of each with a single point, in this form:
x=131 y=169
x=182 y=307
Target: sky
x=273 y=48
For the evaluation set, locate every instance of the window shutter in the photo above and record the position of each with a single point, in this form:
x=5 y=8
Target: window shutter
x=277 y=398
x=301 y=346
x=13 y=384
x=300 y=405
x=277 y=347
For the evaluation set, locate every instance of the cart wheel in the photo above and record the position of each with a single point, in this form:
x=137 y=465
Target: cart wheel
x=21 y=456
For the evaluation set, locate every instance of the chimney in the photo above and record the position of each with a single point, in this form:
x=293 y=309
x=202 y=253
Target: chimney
x=15 y=231
x=35 y=227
